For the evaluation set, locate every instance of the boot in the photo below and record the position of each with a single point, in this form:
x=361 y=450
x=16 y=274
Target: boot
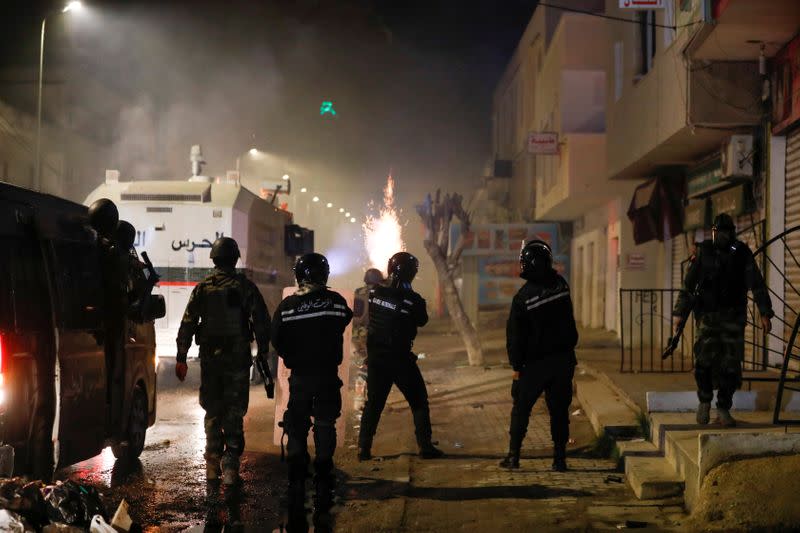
x=422 y=427
x=429 y=451
x=724 y=418
x=511 y=460
x=297 y=496
x=365 y=442
x=364 y=454
x=213 y=469
x=703 y=413
x=230 y=472
x=323 y=493
x=560 y=458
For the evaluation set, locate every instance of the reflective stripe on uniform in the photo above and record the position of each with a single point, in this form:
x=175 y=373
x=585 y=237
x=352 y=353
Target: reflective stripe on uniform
x=545 y=300
x=288 y=312
x=313 y=315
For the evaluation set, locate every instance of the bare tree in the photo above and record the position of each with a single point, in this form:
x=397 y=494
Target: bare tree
x=437 y=215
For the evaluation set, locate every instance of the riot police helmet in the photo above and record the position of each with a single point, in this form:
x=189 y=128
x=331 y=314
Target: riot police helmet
x=723 y=231
x=535 y=259
x=103 y=217
x=312 y=268
x=125 y=235
x=373 y=276
x=402 y=268
x=225 y=252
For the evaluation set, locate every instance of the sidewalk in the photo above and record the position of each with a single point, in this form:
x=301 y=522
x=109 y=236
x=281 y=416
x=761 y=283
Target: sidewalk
x=467 y=490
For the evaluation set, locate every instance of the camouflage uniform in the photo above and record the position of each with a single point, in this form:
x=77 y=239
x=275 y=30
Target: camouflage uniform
x=224 y=312
x=359 y=340
x=725 y=276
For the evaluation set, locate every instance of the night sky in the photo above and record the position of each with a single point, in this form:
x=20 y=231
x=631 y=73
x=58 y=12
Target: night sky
x=411 y=83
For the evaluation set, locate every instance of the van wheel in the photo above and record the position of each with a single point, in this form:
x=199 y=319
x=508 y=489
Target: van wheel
x=133 y=445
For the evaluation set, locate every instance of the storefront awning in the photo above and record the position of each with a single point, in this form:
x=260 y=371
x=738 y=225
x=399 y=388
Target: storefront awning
x=656 y=209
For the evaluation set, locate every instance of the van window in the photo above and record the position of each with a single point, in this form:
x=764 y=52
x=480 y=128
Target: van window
x=23 y=286
x=78 y=271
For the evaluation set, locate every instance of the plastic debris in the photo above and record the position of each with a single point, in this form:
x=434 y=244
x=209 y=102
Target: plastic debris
x=62 y=528
x=422 y=356
x=25 y=499
x=122 y=518
x=570 y=441
x=576 y=412
x=13 y=523
x=73 y=504
x=613 y=479
x=458 y=445
x=99 y=525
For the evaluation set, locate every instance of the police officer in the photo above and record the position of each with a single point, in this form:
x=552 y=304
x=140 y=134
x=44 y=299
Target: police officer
x=224 y=313
x=307 y=332
x=395 y=313
x=719 y=276
x=540 y=339
x=372 y=278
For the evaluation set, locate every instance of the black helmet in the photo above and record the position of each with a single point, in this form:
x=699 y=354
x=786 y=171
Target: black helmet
x=535 y=259
x=402 y=267
x=312 y=268
x=723 y=221
x=225 y=249
x=125 y=235
x=103 y=217
x=373 y=276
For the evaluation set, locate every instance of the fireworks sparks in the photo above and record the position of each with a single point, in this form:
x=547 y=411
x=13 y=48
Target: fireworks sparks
x=383 y=233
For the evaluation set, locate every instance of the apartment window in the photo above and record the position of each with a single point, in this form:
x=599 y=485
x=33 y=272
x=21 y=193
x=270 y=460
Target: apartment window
x=619 y=68
x=647 y=41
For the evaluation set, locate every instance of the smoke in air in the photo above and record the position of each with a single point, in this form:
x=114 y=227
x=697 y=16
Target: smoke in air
x=382 y=233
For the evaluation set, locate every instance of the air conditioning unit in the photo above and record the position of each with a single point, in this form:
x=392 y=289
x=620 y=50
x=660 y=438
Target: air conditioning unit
x=737 y=157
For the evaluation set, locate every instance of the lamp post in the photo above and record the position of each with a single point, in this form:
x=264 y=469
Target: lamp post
x=74 y=5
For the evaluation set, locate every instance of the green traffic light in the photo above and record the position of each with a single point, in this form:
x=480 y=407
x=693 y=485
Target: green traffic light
x=327 y=108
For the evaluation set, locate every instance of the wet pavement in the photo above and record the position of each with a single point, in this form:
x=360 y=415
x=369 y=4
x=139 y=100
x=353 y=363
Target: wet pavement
x=166 y=488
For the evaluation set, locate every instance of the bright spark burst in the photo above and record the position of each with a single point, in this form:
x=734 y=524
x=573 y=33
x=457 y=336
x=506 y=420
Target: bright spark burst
x=383 y=234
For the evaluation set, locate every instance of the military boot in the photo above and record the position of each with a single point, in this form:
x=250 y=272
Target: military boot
x=230 y=472
x=213 y=469
x=323 y=493
x=422 y=427
x=703 y=413
x=511 y=460
x=724 y=418
x=560 y=458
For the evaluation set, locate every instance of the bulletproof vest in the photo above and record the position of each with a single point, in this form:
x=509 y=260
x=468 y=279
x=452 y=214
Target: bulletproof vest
x=391 y=320
x=222 y=314
x=722 y=272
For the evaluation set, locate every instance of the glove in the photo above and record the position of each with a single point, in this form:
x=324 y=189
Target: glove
x=180 y=370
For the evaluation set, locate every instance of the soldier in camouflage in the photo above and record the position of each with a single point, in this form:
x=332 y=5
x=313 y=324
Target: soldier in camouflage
x=225 y=312
x=718 y=277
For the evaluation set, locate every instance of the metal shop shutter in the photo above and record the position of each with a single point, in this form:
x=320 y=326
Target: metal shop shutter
x=792 y=219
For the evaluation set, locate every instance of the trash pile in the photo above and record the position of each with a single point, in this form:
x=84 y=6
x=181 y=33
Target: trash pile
x=65 y=507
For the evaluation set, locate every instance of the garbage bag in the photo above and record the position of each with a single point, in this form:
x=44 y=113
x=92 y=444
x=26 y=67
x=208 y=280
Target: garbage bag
x=99 y=525
x=11 y=522
x=58 y=527
x=73 y=504
x=25 y=499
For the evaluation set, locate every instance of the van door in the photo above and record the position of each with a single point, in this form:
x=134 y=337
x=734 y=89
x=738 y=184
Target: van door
x=81 y=355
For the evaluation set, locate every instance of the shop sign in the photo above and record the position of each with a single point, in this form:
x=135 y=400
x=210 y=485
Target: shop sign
x=705 y=178
x=694 y=215
x=543 y=143
x=503 y=239
x=733 y=201
x=642 y=4
x=635 y=262
x=786 y=86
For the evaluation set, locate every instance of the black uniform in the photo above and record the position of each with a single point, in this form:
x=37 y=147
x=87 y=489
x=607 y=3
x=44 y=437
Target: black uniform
x=394 y=316
x=307 y=332
x=541 y=338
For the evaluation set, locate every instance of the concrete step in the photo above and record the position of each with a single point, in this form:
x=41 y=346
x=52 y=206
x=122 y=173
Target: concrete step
x=635 y=448
x=652 y=478
x=607 y=411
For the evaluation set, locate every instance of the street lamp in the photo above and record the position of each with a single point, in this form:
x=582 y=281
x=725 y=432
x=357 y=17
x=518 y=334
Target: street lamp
x=253 y=151
x=304 y=189
x=285 y=177
x=315 y=199
x=329 y=205
x=74 y=5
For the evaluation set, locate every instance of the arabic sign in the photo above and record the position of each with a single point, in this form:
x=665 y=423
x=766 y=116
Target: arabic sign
x=190 y=245
x=643 y=4
x=499 y=281
x=705 y=178
x=694 y=215
x=503 y=239
x=543 y=143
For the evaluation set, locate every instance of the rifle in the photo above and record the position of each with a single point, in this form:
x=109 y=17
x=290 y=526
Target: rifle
x=146 y=306
x=152 y=275
x=263 y=369
x=672 y=342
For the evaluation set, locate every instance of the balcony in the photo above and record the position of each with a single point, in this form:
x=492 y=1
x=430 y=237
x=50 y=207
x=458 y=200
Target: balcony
x=574 y=181
x=673 y=115
x=739 y=28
